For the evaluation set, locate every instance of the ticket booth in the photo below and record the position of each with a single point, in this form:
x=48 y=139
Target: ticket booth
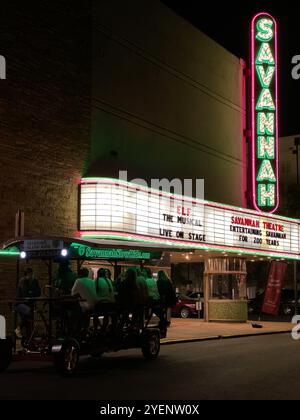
x=225 y=289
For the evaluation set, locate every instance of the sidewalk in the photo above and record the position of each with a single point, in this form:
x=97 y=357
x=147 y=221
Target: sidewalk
x=185 y=330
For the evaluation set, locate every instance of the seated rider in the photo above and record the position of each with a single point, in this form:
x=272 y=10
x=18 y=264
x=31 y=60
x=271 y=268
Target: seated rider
x=167 y=293
x=132 y=296
x=84 y=287
x=64 y=279
x=166 y=289
x=154 y=298
x=106 y=303
x=143 y=294
x=127 y=290
x=28 y=287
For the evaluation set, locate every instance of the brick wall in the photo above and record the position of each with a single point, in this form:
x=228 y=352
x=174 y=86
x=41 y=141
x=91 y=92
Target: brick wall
x=44 y=118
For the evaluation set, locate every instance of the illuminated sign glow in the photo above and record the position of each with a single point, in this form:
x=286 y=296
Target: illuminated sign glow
x=265 y=173
x=87 y=252
x=114 y=209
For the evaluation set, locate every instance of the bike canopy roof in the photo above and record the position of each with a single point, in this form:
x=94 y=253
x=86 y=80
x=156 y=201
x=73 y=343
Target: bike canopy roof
x=58 y=248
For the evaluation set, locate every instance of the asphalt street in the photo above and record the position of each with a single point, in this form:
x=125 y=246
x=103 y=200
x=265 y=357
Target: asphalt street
x=265 y=367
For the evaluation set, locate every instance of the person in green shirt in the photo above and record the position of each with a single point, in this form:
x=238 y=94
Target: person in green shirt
x=154 y=299
x=142 y=287
x=153 y=292
x=104 y=287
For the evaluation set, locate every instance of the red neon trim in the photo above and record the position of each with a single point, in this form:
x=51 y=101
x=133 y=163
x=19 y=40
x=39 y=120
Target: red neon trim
x=203 y=245
x=276 y=116
x=254 y=195
x=244 y=125
x=78 y=180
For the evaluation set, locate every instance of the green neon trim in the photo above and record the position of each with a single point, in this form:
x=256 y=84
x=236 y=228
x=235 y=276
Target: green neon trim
x=197 y=247
x=128 y=239
x=265 y=32
x=265 y=101
x=9 y=253
x=268 y=120
x=267 y=201
x=266 y=172
x=267 y=146
x=197 y=201
x=265 y=55
x=265 y=78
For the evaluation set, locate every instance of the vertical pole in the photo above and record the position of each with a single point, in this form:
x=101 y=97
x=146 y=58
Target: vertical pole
x=17 y=274
x=15 y=320
x=199 y=299
x=296 y=287
x=206 y=296
x=117 y=270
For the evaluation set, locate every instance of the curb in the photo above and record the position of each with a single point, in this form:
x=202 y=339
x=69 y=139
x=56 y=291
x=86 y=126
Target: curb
x=221 y=337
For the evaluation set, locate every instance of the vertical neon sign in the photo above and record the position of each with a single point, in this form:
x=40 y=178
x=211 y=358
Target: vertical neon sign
x=264 y=103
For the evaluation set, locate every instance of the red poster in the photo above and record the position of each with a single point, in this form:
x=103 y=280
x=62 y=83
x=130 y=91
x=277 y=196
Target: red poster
x=275 y=283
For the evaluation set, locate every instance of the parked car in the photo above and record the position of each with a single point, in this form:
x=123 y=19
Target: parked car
x=186 y=306
x=287 y=303
x=255 y=304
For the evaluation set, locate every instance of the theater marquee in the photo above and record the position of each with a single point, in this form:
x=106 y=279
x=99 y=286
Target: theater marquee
x=119 y=210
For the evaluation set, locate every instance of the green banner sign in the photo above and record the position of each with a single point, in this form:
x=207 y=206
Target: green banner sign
x=86 y=252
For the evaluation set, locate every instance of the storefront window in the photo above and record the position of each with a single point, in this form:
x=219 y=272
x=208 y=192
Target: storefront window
x=228 y=286
x=188 y=277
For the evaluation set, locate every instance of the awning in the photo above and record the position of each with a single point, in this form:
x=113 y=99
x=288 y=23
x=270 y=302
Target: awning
x=50 y=247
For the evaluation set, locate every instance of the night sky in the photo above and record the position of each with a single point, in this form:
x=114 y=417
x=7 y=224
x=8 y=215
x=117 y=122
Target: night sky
x=228 y=23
